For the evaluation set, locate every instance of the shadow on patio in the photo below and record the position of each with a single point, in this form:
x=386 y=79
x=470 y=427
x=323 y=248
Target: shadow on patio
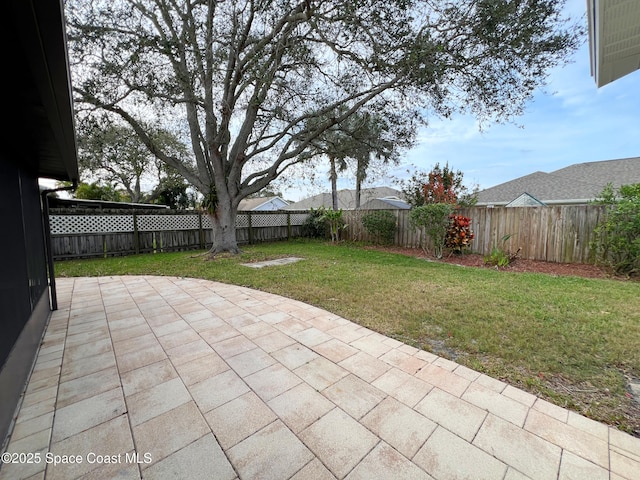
x=160 y=377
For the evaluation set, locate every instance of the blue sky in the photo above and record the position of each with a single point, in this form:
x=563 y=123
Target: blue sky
x=577 y=123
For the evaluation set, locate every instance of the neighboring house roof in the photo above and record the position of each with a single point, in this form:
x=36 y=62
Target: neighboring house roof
x=346 y=198
x=386 y=203
x=262 y=203
x=578 y=183
x=614 y=38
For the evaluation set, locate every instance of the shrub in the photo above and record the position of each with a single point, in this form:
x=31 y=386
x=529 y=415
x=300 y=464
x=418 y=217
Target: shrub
x=433 y=220
x=617 y=238
x=459 y=233
x=500 y=257
x=315 y=225
x=333 y=218
x=381 y=224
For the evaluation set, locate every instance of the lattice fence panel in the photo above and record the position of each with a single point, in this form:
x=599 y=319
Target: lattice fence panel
x=298 y=218
x=78 y=224
x=242 y=220
x=154 y=223
x=268 y=220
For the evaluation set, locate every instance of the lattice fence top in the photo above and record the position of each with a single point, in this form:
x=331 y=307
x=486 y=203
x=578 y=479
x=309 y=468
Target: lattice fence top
x=154 y=223
x=72 y=224
x=298 y=218
x=101 y=223
x=242 y=220
x=272 y=220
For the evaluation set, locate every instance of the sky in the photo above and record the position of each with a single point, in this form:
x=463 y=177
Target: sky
x=574 y=122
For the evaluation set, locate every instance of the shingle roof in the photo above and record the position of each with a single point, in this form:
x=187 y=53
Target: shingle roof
x=346 y=198
x=578 y=182
x=386 y=203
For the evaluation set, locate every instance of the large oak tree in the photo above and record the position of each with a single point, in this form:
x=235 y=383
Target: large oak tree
x=240 y=79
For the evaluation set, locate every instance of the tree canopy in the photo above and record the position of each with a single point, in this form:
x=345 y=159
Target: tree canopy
x=95 y=191
x=239 y=80
x=111 y=153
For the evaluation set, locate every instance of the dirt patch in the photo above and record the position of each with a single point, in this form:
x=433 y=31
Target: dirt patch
x=270 y=263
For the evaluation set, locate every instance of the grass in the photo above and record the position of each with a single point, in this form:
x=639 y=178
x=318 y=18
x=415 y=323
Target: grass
x=573 y=341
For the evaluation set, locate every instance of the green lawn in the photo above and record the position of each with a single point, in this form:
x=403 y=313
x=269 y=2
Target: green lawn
x=571 y=340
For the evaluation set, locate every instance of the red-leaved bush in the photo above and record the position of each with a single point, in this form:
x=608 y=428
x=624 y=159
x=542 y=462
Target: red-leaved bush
x=459 y=233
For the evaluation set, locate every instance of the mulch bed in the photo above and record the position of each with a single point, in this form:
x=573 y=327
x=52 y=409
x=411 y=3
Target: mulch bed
x=517 y=265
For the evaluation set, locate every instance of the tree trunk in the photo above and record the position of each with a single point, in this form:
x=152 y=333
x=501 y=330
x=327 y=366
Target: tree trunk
x=333 y=175
x=358 y=190
x=361 y=173
x=224 y=230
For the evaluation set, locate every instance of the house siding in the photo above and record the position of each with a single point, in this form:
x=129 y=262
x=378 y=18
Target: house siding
x=24 y=294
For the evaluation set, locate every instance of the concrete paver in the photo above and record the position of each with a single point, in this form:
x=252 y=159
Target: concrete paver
x=339 y=441
x=163 y=377
x=445 y=455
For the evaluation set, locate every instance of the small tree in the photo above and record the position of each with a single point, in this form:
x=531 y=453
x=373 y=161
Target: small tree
x=440 y=185
x=616 y=240
x=433 y=221
x=335 y=221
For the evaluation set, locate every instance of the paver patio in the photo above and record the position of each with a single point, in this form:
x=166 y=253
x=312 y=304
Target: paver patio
x=162 y=377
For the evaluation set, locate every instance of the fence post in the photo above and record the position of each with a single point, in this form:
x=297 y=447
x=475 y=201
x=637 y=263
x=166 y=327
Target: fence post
x=201 y=231
x=288 y=225
x=136 y=235
x=250 y=228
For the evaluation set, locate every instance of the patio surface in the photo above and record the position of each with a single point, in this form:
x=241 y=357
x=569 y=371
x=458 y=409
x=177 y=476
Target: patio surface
x=161 y=377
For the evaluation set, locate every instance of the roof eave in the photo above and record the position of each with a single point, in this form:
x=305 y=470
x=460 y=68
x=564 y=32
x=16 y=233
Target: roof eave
x=613 y=56
x=42 y=37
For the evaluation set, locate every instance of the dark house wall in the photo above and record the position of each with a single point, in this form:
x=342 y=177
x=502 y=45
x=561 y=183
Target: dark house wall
x=24 y=296
x=38 y=140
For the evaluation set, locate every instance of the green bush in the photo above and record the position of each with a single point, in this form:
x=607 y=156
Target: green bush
x=322 y=223
x=500 y=257
x=433 y=220
x=335 y=221
x=315 y=225
x=380 y=224
x=617 y=238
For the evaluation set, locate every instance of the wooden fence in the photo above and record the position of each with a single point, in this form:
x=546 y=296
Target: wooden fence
x=555 y=234
x=77 y=233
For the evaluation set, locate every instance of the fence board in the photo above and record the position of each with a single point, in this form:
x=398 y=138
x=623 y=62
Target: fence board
x=556 y=234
